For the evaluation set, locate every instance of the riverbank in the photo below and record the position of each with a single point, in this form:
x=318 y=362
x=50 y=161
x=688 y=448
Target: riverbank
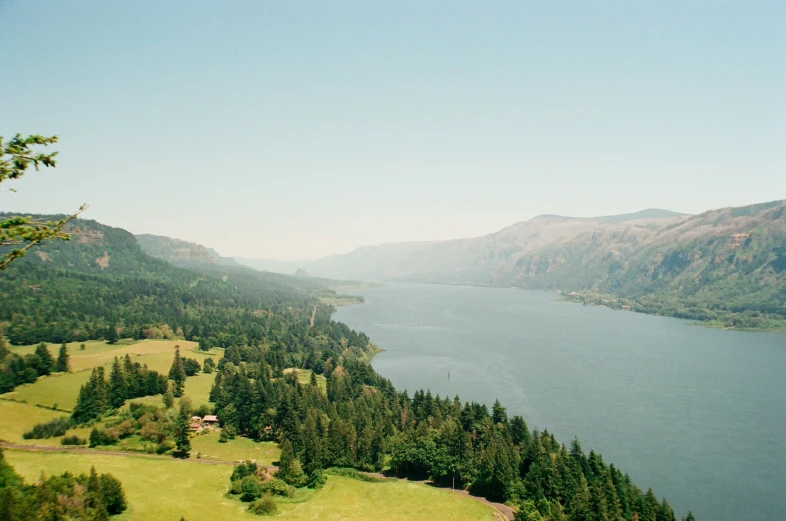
x=712 y=318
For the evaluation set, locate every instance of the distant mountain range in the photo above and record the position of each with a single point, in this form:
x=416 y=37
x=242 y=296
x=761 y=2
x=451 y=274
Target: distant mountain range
x=724 y=265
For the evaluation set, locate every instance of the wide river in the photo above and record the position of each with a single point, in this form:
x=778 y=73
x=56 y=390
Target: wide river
x=697 y=414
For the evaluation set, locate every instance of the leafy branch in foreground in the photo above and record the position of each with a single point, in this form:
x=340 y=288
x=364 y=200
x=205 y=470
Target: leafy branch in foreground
x=22 y=233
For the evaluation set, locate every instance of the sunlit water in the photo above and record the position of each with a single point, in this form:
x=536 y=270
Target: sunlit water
x=697 y=414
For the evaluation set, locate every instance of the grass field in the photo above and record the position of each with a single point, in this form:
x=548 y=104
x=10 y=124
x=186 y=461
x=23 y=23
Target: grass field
x=167 y=489
x=62 y=390
x=160 y=488
x=19 y=418
x=239 y=449
x=304 y=377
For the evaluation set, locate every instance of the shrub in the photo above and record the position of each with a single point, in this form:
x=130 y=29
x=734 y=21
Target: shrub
x=247 y=468
x=101 y=436
x=316 y=480
x=164 y=446
x=138 y=410
x=250 y=488
x=112 y=494
x=352 y=473
x=73 y=440
x=265 y=506
x=50 y=429
x=277 y=487
x=191 y=366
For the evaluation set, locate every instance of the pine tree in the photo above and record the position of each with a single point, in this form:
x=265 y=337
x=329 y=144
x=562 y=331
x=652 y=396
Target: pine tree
x=117 y=386
x=177 y=373
x=111 y=334
x=169 y=399
x=112 y=495
x=182 y=431
x=313 y=379
x=499 y=414
x=61 y=366
x=46 y=362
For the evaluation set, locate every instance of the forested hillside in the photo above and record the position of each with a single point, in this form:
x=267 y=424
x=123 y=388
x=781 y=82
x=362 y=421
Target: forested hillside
x=101 y=285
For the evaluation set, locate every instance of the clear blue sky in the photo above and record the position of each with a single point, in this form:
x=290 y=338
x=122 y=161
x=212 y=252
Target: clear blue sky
x=291 y=130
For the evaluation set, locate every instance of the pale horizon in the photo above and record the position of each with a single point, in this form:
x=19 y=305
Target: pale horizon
x=296 y=131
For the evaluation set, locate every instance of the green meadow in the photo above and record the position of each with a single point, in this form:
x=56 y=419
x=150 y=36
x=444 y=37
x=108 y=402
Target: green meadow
x=161 y=488
x=168 y=489
x=61 y=390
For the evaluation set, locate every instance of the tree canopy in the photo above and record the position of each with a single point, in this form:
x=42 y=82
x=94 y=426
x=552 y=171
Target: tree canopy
x=18 y=232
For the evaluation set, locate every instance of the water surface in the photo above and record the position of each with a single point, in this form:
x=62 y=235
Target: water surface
x=697 y=414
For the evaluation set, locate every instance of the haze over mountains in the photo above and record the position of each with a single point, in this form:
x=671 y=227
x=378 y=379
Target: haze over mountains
x=730 y=260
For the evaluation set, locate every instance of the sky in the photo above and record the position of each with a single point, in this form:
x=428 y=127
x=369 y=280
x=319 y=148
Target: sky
x=293 y=130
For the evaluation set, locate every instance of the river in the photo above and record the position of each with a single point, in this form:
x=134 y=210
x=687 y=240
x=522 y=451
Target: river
x=697 y=414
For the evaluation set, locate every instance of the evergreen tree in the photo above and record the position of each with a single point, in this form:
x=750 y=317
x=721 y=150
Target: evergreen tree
x=499 y=414
x=117 y=386
x=177 y=373
x=46 y=362
x=62 y=365
x=169 y=398
x=289 y=468
x=112 y=494
x=182 y=430
x=111 y=334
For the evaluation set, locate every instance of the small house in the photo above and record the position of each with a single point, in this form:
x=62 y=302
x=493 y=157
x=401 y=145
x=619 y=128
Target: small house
x=195 y=427
x=210 y=420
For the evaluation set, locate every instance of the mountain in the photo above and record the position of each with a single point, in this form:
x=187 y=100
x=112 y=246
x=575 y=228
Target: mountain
x=479 y=260
x=179 y=252
x=726 y=266
x=277 y=266
x=77 y=290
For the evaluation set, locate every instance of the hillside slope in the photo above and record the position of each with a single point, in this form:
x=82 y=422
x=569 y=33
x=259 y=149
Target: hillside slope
x=724 y=265
x=102 y=281
x=179 y=252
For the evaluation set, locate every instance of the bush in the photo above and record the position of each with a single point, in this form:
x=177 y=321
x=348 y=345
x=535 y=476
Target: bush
x=316 y=480
x=164 y=446
x=112 y=494
x=263 y=507
x=100 y=436
x=138 y=410
x=73 y=440
x=191 y=366
x=352 y=473
x=247 y=468
x=277 y=487
x=250 y=488
x=50 y=429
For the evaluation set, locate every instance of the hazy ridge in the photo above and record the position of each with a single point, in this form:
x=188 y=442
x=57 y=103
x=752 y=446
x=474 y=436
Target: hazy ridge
x=723 y=265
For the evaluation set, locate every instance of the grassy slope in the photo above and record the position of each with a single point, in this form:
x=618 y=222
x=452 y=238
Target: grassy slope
x=61 y=390
x=168 y=489
x=265 y=452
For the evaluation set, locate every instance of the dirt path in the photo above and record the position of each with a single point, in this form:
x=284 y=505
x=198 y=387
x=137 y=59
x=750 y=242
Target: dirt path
x=313 y=315
x=502 y=510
